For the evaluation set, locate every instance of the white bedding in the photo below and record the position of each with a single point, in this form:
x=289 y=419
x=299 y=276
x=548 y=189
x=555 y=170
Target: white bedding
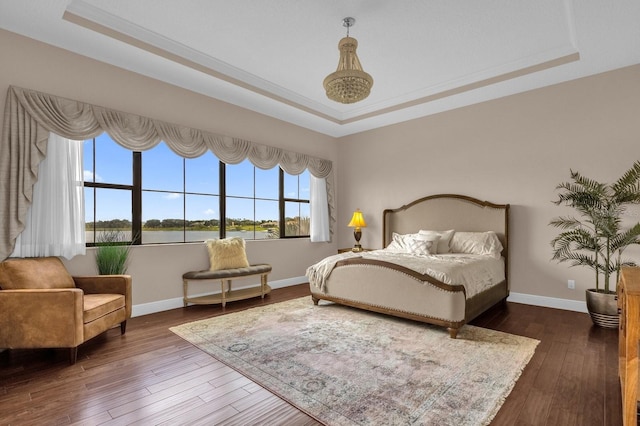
x=475 y=272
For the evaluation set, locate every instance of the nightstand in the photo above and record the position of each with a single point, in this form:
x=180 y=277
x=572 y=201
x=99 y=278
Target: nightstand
x=348 y=249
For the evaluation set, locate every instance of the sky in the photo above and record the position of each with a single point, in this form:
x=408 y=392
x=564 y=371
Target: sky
x=162 y=171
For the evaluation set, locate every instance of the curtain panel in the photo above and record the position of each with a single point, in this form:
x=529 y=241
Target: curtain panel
x=30 y=116
x=54 y=224
x=320 y=231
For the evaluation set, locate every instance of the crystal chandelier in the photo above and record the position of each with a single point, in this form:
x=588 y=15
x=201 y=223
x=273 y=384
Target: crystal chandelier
x=349 y=83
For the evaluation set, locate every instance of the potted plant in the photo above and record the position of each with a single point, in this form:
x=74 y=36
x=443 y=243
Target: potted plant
x=597 y=238
x=112 y=254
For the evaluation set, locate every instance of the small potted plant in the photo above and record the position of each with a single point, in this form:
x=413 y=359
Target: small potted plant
x=597 y=237
x=112 y=254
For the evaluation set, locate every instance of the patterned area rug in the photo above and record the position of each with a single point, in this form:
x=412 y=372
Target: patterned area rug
x=345 y=366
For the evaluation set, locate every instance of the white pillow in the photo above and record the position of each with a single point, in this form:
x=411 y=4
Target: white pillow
x=396 y=243
x=486 y=243
x=414 y=243
x=421 y=245
x=434 y=240
x=445 y=238
x=395 y=247
x=399 y=242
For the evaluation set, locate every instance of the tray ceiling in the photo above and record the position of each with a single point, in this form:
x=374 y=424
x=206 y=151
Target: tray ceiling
x=271 y=57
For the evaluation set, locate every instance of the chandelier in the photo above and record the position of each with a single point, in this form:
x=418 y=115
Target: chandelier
x=349 y=83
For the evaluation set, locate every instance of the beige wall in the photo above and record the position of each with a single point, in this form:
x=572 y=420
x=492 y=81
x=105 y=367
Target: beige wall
x=157 y=270
x=512 y=150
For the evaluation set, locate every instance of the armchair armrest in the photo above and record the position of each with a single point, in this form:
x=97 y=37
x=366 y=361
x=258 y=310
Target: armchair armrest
x=107 y=284
x=41 y=318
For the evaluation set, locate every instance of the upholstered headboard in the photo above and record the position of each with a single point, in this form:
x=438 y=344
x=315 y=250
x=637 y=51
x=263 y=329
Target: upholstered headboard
x=448 y=211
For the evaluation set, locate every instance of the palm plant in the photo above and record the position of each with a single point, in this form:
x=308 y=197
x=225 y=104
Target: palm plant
x=112 y=254
x=597 y=239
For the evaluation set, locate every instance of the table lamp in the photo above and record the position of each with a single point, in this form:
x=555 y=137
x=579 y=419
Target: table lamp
x=357 y=222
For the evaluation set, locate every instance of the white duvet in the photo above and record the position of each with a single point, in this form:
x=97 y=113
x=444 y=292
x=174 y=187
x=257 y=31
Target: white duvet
x=475 y=272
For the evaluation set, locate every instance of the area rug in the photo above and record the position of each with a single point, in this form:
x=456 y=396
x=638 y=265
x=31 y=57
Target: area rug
x=345 y=366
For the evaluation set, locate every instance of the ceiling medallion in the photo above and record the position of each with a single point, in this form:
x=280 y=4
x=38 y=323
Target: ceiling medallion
x=349 y=83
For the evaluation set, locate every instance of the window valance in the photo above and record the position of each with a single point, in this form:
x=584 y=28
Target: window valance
x=29 y=116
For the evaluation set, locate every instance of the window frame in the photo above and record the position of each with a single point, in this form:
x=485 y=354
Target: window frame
x=282 y=203
x=136 y=199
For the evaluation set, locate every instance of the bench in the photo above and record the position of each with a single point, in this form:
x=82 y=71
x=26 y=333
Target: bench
x=226 y=294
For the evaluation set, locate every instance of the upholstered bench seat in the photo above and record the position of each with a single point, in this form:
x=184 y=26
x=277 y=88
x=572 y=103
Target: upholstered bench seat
x=226 y=294
x=228 y=273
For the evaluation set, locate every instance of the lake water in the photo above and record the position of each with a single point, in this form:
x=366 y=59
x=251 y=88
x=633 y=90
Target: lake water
x=153 y=237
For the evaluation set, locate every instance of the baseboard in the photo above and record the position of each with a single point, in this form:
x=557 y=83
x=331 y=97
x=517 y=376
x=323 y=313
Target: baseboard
x=527 y=299
x=548 y=302
x=168 y=304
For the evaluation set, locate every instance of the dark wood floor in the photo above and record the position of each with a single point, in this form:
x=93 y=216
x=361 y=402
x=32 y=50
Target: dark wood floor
x=151 y=376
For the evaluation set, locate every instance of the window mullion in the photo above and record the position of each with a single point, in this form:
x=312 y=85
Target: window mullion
x=184 y=199
x=223 y=200
x=93 y=179
x=281 y=203
x=136 y=199
x=254 y=203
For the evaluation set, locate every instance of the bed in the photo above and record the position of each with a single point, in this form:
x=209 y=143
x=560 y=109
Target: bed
x=377 y=281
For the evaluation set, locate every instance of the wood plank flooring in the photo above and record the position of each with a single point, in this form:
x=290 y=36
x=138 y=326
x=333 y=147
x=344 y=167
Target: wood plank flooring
x=151 y=376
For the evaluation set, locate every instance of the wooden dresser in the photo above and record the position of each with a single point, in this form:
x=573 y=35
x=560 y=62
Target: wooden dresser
x=629 y=338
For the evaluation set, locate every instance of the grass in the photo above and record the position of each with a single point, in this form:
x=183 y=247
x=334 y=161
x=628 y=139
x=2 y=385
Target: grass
x=112 y=255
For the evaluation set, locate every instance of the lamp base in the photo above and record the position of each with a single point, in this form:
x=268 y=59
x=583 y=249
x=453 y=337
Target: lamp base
x=357 y=234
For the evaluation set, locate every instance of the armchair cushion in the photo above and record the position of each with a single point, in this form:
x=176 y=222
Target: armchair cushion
x=99 y=305
x=107 y=284
x=31 y=273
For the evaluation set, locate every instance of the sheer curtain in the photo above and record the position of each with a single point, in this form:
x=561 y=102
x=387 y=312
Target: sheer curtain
x=320 y=230
x=54 y=224
x=30 y=116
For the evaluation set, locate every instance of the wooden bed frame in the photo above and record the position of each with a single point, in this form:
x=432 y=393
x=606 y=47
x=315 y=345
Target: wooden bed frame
x=392 y=289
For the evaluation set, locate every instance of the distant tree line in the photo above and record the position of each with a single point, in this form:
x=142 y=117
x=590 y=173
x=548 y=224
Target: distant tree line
x=158 y=224
x=110 y=224
x=179 y=223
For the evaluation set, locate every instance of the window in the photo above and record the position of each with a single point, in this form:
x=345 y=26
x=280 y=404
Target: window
x=180 y=197
x=252 y=201
x=158 y=197
x=108 y=182
x=295 y=201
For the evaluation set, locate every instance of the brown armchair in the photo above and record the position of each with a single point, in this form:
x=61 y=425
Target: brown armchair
x=42 y=306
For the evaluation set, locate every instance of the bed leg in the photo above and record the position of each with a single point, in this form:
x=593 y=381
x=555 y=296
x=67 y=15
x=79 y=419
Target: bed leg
x=453 y=332
x=315 y=299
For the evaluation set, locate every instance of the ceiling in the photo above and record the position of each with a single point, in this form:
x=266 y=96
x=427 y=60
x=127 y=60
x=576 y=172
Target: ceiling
x=426 y=56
